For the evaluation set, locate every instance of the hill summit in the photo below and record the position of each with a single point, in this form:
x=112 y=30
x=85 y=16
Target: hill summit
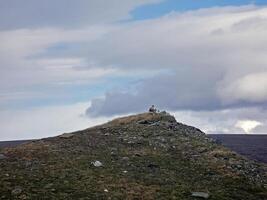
x=145 y=156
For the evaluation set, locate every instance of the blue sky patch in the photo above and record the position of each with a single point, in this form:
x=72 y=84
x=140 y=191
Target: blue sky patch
x=157 y=10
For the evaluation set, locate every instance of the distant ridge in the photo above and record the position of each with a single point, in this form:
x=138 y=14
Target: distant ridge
x=4 y=144
x=250 y=145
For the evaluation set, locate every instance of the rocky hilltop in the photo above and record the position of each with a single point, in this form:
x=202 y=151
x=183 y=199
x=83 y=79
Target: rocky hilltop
x=145 y=156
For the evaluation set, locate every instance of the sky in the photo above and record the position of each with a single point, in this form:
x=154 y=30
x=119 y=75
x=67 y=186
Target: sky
x=68 y=65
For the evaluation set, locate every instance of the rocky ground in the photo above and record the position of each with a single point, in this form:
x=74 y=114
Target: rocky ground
x=146 y=156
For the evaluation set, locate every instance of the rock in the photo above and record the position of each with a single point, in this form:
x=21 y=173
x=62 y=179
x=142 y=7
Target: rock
x=105 y=190
x=66 y=135
x=200 y=195
x=16 y=191
x=97 y=163
x=155 y=124
x=2 y=157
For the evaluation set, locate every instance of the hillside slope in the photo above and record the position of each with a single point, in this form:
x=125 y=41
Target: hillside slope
x=145 y=156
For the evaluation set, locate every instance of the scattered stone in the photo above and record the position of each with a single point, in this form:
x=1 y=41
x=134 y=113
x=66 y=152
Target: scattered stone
x=97 y=163
x=203 y=195
x=105 y=190
x=16 y=191
x=66 y=135
x=125 y=171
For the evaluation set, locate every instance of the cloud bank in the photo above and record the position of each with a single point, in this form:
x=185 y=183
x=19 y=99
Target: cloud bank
x=16 y=14
x=215 y=59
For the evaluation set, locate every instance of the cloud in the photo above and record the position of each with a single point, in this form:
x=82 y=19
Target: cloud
x=209 y=69
x=251 y=88
x=247 y=125
x=25 y=65
x=166 y=91
x=16 y=14
x=36 y=123
x=204 y=64
x=226 y=121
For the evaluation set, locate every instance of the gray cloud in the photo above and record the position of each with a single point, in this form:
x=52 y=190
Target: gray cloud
x=15 y=14
x=166 y=91
x=209 y=71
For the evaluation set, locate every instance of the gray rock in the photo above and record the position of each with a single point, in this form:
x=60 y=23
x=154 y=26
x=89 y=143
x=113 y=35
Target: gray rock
x=97 y=163
x=203 y=195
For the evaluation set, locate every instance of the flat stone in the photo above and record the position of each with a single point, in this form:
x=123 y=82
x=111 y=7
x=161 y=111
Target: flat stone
x=66 y=135
x=200 y=195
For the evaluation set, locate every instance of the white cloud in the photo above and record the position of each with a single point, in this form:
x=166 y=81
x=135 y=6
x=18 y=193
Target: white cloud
x=247 y=125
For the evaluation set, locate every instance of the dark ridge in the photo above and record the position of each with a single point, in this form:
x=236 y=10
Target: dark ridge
x=5 y=144
x=252 y=146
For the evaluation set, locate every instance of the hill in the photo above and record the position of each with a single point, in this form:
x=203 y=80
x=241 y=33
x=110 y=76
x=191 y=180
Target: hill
x=145 y=156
